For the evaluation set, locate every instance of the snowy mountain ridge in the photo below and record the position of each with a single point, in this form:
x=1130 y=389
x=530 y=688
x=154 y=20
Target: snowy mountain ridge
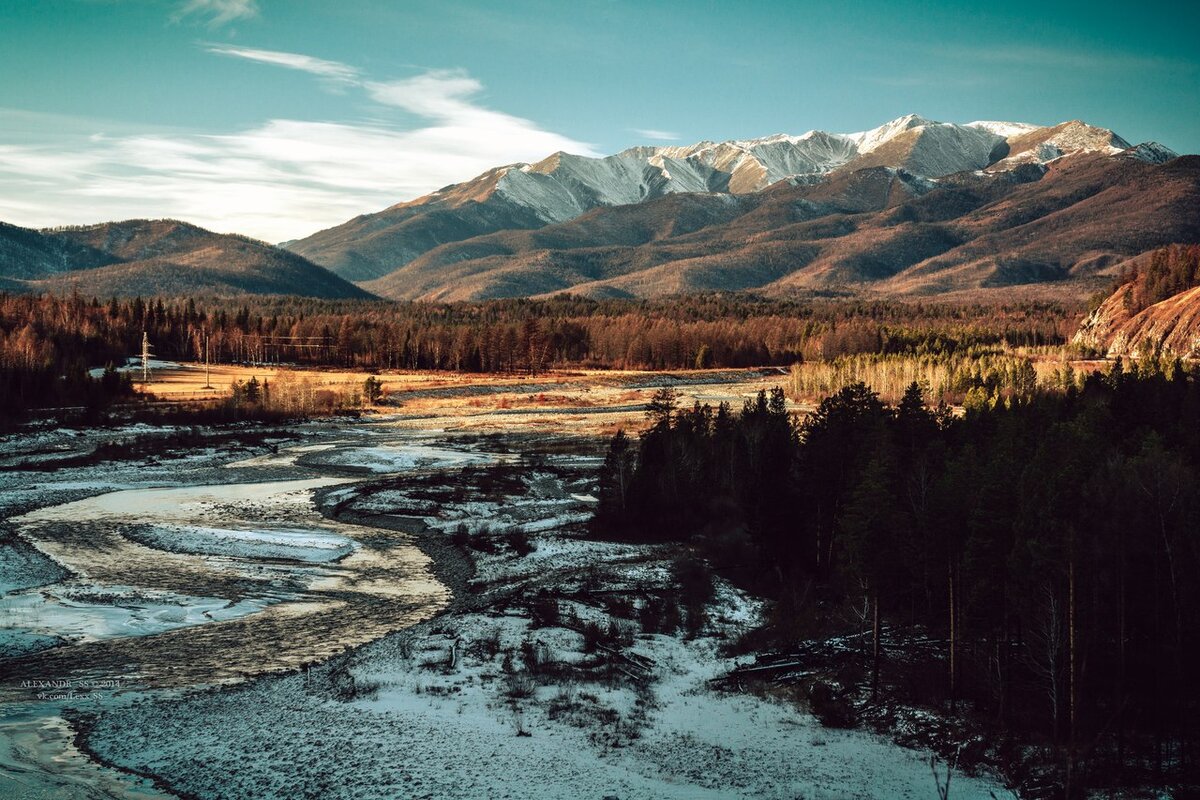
x=564 y=186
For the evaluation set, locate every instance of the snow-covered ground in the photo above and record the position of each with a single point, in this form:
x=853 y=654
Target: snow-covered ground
x=393 y=458
x=493 y=700
x=134 y=364
x=422 y=728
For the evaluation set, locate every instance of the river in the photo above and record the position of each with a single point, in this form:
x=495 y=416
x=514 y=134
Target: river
x=198 y=583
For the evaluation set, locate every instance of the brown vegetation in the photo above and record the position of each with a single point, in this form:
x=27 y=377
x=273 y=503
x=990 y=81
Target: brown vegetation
x=1153 y=309
x=875 y=229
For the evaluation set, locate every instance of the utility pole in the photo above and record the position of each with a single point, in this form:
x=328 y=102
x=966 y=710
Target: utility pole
x=145 y=358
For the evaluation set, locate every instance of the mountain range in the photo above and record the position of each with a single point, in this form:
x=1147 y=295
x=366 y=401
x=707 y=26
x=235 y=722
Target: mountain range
x=913 y=207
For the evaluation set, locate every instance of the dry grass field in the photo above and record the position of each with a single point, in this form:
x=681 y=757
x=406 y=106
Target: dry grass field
x=577 y=401
x=184 y=382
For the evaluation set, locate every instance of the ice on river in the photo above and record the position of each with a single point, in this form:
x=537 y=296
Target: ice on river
x=88 y=614
x=185 y=503
x=384 y=459
x=295 y=544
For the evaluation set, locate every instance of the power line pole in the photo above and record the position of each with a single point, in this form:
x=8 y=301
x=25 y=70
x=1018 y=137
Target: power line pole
x=145 y=358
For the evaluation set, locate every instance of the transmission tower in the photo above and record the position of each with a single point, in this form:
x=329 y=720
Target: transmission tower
x=145 y=358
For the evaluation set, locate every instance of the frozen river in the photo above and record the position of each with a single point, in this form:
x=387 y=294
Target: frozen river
x=221 y=574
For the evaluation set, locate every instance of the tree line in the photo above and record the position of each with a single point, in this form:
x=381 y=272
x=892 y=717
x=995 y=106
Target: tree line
x=48 y=342
x=1047 y=542
x=1168 y=271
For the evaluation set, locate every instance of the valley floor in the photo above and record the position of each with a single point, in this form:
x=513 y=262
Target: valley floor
x=539 y=677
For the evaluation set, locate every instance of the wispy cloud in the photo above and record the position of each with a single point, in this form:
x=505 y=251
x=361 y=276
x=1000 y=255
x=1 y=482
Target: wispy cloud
x=314 y=66
x=656 y=134
x=438 y=94
x=218 y=12
x=278 y=180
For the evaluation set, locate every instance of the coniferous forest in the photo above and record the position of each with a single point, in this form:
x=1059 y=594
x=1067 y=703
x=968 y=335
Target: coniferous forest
x=1042 y=552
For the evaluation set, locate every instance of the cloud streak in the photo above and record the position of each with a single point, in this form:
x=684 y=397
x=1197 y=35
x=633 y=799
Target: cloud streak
x=278 y=180
x=219 y=12
x=656 y=134
x=314 y=66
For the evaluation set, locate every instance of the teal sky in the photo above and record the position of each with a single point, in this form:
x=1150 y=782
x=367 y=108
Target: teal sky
x=278 y=117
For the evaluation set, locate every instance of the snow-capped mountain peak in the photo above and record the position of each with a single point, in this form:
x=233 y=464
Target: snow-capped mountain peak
x=866 y=141
x=913 y=150
x=1004 y=129
x=562 y=186
x=1151 y=153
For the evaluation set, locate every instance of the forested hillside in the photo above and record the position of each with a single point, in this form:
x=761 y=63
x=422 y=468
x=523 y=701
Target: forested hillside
x=1169 y=271
x=1152 y=307
x=1047 y=545
x=157 y=257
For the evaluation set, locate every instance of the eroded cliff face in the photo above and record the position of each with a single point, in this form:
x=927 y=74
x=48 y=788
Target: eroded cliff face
x=1171 y=325
x=1099 y=328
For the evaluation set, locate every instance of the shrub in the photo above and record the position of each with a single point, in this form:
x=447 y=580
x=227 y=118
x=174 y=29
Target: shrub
x=613 y=635
x=545 y=612
x=347 y=688
x=831 y=709
x=518 y=541
x=617 y=635
x=563 y=702
x=489 y=644
x=481 y=540
x=521 y=685
x=659 y=615
x=593 y=635
x=621 y=607
x=696 y=589
x=536 y=655
x=694 y=580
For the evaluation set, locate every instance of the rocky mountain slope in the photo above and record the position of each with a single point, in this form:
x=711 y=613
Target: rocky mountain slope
x=877 y=229
x=1170 y=326
x=147 y=257
x=1156 y=310
x=563 y=187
